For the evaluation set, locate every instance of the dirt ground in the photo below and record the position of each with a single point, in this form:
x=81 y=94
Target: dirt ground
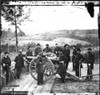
x=73 y=86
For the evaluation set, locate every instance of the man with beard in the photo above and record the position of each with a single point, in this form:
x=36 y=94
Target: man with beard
x=37 y=49
x=57 y=50
x=47 y=49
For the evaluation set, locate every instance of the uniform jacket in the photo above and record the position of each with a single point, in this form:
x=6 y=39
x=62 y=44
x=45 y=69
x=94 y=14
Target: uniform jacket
x=74 y=54
x=7 y=62
x=19 y=61
x=37 y=50
x=90 y=58
x=29 y=53
x=66 y=53
x=39 y=65
x=47 y=50
x=61 y=69
x=78 y=59
x=56 y=50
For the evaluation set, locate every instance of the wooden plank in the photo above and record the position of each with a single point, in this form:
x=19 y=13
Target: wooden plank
x=33 y=86
x=23 y=83
x=38 y=89
x=25 y=88
x=72 y=76
x=47 y=87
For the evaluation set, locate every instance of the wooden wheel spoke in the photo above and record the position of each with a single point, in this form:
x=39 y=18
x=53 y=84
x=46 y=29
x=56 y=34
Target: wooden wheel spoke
x=48 y=69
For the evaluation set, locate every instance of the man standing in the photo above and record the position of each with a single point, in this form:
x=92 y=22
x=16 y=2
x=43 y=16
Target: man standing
x=66 y=53
x=57 y=50
x=47 y=49
x=61 y=68
x=6 y=63
x=78 y=62
x=29 y=53
x=39 y=68
x=90 y=58
x=73 y=56
x=19 y=63
x=37 y=49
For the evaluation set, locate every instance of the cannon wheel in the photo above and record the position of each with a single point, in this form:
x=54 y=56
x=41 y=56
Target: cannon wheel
x=48 y=69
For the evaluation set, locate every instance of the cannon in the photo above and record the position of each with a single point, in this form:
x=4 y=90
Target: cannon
x=49 y=68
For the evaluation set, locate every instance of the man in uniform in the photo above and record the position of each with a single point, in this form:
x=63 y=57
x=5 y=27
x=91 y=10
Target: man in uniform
x=90 y=58
x=29 y=53
x=19 y=64
x=37 y=49
x=6 y=63
x=78 y=62
x=66 y=53
x=47 y=49
x=73 y=56
x=61 y=68
x=57 y=50
x=39 y=68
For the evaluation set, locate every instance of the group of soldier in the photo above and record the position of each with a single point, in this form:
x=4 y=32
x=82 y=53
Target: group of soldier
x=64 y=58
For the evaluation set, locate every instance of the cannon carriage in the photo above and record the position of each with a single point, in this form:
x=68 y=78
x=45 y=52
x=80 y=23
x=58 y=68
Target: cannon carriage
x=49 y=67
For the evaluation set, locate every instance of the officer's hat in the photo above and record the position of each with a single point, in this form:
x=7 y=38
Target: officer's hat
x=6 y=52
x=89 y=49
x=66 y=45
x=28 y=47
x=47 y=44
x=78 y=49
x=38 y=44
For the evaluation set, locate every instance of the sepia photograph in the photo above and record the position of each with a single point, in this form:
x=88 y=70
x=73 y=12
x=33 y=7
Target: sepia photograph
x=49 y=47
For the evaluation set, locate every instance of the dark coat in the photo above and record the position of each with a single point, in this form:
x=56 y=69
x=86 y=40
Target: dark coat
x=47 y=49
x=66 y=53
x=19 y=61
x=90 y=58
x=29 y=53
x=7 y=62
x=78 y=60
x=61 y=69
x=39 y=65
x=57 y=50
x=74 y=54
x=37 y=51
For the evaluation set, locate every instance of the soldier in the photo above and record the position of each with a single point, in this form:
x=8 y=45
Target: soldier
x=78 y=62
x=57 y=50
x=6 y=63
x=66 y=53
x=73 y=56
x=47 y=49
x=61 y=68
x=90 y=58
x=29 y=53
x=39 y=68
x=19 y=64
x=37 y=49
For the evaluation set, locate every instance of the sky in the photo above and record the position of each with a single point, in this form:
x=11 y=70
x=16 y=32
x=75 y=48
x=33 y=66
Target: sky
x=53 y=18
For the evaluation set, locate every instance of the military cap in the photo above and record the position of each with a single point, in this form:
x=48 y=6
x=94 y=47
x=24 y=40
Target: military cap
x=38 y=44
x=6 y=52
x=47 y=44
x=89 y=49
x=78 y=49
x=66 y=45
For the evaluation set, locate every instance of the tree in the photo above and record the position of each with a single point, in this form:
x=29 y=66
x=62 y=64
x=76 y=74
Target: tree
x=9 y=12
